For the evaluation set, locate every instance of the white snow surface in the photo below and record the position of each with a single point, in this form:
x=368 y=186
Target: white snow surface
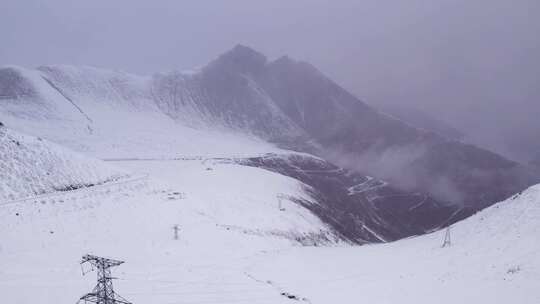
x=111 y=114
x=32 y=166
x=237 y=246
x=228 y=214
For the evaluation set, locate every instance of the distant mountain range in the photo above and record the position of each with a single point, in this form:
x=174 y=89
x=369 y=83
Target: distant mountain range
x=377 y=177
x=343 y=129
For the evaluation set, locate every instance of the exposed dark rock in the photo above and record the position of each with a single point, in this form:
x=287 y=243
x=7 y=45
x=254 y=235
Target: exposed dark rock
x=360 y=209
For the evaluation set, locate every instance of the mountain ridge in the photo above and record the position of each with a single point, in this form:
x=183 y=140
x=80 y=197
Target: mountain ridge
x=283 y=103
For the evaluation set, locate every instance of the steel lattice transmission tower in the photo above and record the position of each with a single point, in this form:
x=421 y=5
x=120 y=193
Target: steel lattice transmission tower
x=447 y=240
x=103 y=293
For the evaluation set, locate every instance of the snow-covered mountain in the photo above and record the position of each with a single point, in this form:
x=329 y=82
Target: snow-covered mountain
x=107 y=114
x=493 y=257
x=269 y=170
x=379 y=179
x=113 y=116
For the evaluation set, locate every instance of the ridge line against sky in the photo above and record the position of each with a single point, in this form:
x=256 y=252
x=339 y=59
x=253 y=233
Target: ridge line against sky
x=474 y=64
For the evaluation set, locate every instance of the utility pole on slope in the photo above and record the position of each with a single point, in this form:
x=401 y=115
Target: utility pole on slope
x=280 y=198
x=447 y=239
x=103 y=293
x=176 y=229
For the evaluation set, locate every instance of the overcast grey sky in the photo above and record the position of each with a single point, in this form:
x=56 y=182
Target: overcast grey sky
x=473 y=63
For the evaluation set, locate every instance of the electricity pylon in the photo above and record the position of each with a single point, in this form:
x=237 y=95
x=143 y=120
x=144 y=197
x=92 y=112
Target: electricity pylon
x=103 y=293
x=447 y=239
x=176 y=229
x=280 y=198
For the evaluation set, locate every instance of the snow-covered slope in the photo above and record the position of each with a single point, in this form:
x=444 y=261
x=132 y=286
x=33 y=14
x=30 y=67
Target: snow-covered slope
x=223 y=225
x=494 y=257
x=32 y=166
x=110 y=114
x=236 y=245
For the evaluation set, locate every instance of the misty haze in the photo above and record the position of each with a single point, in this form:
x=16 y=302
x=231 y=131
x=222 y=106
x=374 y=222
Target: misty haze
x=269 y=151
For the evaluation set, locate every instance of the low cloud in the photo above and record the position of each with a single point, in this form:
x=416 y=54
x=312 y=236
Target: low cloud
x=397 y=166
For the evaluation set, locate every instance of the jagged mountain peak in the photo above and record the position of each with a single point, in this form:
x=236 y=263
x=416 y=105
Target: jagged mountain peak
x=242 y=59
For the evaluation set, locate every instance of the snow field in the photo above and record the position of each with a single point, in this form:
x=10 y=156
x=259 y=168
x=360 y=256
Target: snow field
x=42 y=244
x=494 y=258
